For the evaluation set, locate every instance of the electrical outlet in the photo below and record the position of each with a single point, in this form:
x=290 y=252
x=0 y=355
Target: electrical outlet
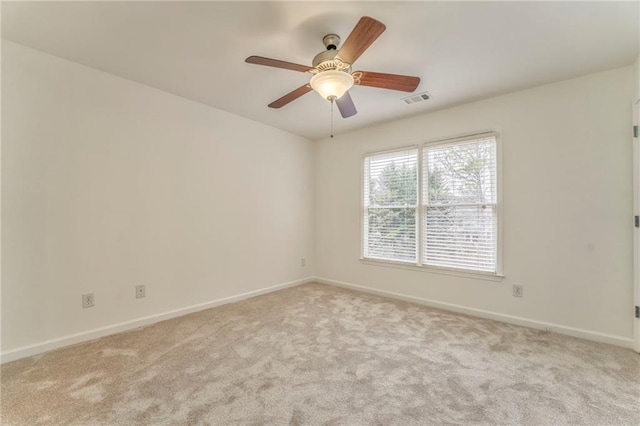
x=518 y=290
x=303 y=261
x=140 y=291
x=88 y=300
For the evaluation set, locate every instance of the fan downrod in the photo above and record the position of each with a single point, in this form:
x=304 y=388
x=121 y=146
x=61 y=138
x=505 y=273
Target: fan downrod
x=331 y=41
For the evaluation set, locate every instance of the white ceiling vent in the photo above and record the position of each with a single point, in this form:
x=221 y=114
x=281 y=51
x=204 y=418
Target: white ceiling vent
x=418 y=97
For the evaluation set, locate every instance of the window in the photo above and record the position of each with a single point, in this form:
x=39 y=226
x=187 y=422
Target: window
x=391 y=205
x=445 y=216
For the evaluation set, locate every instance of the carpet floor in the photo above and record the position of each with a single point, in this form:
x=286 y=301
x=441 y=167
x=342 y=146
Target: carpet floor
x=317 y=354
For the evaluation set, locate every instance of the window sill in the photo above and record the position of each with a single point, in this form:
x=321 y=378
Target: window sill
x=487 y=276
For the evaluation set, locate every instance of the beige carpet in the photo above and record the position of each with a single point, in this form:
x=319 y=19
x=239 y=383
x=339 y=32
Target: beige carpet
x=317 y=354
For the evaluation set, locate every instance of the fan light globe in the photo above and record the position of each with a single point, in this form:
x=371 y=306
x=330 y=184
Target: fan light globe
x=331 y=84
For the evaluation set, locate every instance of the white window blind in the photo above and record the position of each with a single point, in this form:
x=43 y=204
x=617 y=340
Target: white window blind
x=390 y=206
x=459 y=204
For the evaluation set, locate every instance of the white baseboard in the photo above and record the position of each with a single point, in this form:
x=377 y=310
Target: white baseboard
x=84 y=336
x=525 y=322
x=72 y=339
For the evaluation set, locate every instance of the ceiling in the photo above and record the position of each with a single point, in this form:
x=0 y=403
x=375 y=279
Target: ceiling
x=462 y=51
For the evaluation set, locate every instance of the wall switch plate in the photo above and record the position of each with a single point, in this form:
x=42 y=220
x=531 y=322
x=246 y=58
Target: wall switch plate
x=303 y=261
x=88 y=300
x=518 y=290
x=141 y=291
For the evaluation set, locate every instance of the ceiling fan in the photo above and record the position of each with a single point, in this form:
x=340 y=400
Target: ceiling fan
x=331 y=69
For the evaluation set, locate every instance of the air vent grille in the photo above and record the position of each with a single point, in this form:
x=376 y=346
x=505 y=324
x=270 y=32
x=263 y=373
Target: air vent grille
x=417 y=97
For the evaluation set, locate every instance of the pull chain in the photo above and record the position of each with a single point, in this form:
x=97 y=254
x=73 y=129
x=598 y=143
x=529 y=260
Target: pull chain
x=332 y=117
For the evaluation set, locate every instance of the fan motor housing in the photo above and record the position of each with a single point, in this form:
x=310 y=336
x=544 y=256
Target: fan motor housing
x=327 y=60
x=324 y=56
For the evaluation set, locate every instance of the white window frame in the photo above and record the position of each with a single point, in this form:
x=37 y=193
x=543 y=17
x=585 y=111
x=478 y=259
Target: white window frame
x=419 y=266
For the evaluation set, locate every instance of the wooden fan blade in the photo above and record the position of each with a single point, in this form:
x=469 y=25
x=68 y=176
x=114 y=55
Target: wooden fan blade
x=291 y=96
x=346 y=106
x=259 y=60
x=403 y=83
x=366 y=31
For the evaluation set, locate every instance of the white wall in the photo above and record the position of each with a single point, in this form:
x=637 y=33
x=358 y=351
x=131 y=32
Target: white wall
x=567 y=175
x=107 y=183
